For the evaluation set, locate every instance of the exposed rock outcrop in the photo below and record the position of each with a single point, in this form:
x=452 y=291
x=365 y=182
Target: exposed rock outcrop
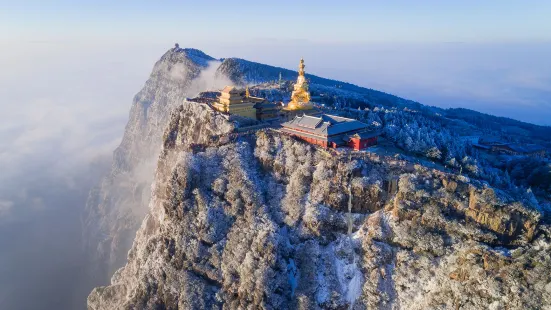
x=260 y=221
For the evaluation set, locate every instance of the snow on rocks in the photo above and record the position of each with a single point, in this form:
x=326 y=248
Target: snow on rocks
x=261 y=223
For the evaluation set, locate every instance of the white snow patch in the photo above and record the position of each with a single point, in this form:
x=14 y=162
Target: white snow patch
x=350 y=277
x=503 y=251
x=354 y=289
x=359 y=234
x=292 y=275
x=322 y=293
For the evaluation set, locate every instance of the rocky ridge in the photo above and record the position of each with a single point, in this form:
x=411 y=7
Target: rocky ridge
x=262 y=221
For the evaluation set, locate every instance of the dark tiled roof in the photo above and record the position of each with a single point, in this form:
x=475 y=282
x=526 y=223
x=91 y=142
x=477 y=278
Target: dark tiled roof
x=490 y=140
x=254 y=99
x=365 y=135
x=325 y=125
x=482 y=146
x=266 y=105
x=526 y=148
x=228 y=89
x=307 y=121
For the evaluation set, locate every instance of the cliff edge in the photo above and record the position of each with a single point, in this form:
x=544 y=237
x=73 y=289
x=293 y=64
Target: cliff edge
x=263 y=221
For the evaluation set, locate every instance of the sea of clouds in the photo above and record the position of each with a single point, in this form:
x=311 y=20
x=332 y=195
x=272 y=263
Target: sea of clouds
x=63 y=111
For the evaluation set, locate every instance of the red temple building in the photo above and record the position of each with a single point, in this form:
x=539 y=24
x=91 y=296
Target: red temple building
x=362 y=140
x=331 y=131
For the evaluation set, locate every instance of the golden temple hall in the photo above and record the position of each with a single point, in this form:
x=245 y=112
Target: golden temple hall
x=234 y=101
x=238 y=101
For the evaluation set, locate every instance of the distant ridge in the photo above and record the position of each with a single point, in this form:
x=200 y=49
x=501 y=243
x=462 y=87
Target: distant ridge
x=242 y=71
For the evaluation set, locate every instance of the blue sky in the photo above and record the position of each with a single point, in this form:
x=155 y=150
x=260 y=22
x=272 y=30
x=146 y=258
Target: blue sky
x=319 y=21
x=491 y=55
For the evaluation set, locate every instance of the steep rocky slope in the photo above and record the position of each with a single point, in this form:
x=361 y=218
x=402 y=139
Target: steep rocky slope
x=116 y=207
x=118 y=204
x=262 y=221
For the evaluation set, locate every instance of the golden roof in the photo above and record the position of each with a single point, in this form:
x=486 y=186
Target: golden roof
x=228 y=89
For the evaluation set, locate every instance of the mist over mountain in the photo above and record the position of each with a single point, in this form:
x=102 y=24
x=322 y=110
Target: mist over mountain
x=60 y=123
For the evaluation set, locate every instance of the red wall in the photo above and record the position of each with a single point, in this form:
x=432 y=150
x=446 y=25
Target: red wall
x=312 y=140
x=359 y=144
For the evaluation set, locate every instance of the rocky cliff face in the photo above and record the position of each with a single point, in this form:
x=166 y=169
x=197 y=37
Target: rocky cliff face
x=262 y=221
x=117 y=206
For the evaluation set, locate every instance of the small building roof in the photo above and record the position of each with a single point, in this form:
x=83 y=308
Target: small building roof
x=490 y=140
x=364 y=135
x=525 y=148
x=229 y=89
x=482 y=146
x=254 y=99
x=325 y=125
x=533 y=148
x=265 y=104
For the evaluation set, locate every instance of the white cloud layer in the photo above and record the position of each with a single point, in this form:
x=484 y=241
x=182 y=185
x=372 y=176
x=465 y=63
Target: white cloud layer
x=63 y=111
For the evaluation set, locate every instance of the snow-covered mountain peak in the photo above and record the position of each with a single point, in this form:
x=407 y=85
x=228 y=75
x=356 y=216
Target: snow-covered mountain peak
x=185 y=55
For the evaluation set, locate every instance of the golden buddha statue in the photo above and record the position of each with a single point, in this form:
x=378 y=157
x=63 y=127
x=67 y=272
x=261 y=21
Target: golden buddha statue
x=300 y=98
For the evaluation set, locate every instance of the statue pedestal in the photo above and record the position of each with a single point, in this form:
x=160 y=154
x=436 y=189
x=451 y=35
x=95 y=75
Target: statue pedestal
x=299 y=106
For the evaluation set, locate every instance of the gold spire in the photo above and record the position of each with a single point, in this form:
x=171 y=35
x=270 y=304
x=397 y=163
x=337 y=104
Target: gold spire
x=301 y=67
x=247 y=93
x=300 y=98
